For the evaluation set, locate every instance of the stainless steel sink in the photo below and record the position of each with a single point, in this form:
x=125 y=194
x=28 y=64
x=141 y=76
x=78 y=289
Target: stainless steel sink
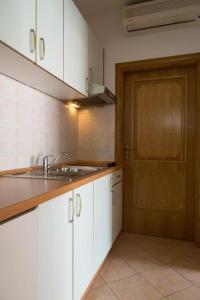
x=68 y=173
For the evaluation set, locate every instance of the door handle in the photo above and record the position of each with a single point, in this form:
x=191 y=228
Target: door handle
x=126 y=152
x=42 y=48
x=32 y=40
x=71 y=210
x=78 y=205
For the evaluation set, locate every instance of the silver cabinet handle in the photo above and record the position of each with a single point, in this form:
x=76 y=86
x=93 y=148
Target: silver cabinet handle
x=71 y=210
x=42 y=48
x=78 y=205
x=32 y=40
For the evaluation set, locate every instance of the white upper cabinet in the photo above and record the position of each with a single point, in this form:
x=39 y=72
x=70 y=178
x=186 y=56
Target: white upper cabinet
x=83 y=239
x=55 y=248
x=50 y=36
x=96 y=60
x=17 y=25
x=18 y=258
x=75 y=48
x=102 y=219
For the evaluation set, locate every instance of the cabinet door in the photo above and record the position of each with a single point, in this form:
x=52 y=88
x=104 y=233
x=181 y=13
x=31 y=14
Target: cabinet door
x=50 y=36
x=83 y=239
x=102 y=219
x=96 y=60
x=18 y=258
x=55 y=248
x=75 y=48
x=17 y=25
x=116 y=210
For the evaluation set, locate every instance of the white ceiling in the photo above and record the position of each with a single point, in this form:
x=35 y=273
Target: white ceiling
x=95 y=8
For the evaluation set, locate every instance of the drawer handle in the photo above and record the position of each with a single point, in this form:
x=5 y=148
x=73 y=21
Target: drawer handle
x=71 y=210
x=42 y=48
x=78 y=205
x=32 y=40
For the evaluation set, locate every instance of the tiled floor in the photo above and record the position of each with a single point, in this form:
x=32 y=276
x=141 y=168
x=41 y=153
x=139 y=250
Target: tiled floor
x=149 y=268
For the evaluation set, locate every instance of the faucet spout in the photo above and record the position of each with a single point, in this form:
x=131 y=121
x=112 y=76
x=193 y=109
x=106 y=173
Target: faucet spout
x=45 y=161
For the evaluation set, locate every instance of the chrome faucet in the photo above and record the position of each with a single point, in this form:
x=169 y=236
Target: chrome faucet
x=45 y=160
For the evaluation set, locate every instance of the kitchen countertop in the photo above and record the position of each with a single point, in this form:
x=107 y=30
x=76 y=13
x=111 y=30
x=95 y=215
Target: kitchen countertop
x=18 y=195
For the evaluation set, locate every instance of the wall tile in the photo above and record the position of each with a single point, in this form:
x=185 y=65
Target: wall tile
x=33 y=124
x=97 y=133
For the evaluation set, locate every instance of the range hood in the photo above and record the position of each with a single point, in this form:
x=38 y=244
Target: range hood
x=98 y=95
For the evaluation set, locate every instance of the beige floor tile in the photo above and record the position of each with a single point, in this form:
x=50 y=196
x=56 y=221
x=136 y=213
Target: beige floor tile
x=124 y=245
x=198 y=284
x=187 y=269
x=194 y=259
x=166 y=281
x=141 y=261
x=147 y=242
x=134 y=288
x=115 y=269
x=191 y=293
x=99 y=282
x=103 y=293
x=166 y=254
x=185 y=247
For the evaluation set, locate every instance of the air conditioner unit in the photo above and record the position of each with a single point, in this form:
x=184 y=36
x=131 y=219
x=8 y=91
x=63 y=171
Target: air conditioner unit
x=161 y=14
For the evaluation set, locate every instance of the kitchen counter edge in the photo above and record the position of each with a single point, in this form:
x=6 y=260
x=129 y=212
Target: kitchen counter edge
x=21 y=207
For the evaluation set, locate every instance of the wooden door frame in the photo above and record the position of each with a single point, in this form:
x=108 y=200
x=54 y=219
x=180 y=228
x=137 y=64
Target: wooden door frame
x=121 y=69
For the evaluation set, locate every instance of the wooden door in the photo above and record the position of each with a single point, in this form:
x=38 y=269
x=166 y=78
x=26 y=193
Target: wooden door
x=159 y=150
x=50 y=36
x=17 y=25
x=83 y=239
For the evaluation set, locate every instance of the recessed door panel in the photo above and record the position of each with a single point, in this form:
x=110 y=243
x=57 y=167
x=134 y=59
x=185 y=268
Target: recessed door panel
x=159 y=144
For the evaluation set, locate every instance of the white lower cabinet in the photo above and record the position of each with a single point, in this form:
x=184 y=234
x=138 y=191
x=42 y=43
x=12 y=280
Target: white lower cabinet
x=66 y=245
x=83 y=239
x=102 y=219
x=53 y=252
x=18 y=258
x=56 y=248
x=116 y=210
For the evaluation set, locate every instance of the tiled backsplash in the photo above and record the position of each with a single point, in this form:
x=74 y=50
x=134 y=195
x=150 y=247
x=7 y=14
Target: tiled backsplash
x=96 y=133
x=33 y=124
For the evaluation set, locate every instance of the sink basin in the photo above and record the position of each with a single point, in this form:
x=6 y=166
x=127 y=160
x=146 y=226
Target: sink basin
x=68 y=173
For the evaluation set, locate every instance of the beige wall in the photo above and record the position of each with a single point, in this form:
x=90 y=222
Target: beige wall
x=96 y=133
x=32 y=125
x=122 y=48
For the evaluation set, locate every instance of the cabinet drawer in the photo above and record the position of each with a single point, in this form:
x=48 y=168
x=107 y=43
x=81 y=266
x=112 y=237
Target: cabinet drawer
x=117 y=176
